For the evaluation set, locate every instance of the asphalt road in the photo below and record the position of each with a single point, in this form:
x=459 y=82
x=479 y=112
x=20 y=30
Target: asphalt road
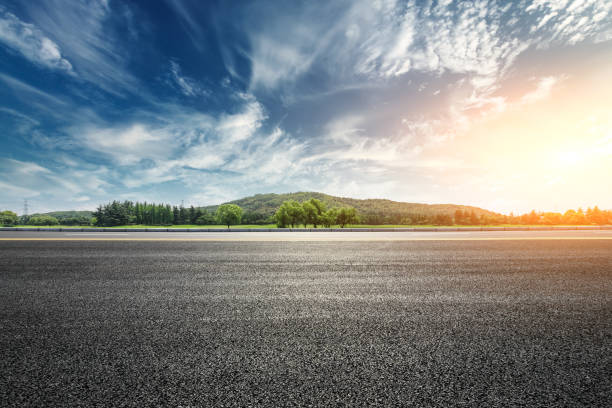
x=217 y=323
x=307 y=236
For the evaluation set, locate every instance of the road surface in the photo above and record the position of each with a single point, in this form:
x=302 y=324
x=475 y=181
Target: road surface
x=453 y=322
x=308 y=236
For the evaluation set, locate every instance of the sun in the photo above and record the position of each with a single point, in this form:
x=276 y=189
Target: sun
x=569 y=158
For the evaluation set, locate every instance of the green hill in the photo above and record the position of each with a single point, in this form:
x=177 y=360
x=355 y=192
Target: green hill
x=372 y=211
x=60 y=215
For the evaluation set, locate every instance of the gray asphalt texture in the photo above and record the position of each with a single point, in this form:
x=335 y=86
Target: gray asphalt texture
x=287 y=235
x=413 y=323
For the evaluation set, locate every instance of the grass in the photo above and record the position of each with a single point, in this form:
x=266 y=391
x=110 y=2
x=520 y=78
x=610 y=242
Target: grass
x=267 y=226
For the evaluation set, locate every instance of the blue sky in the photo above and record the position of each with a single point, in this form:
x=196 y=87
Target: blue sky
x=504 y=105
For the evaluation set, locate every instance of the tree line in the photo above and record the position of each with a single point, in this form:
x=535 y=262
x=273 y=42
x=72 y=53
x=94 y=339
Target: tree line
x=128 y=212
x=313 y=212
x=292 y=213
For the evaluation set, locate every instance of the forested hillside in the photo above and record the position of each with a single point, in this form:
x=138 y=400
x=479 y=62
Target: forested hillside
x=261 y=207
x=57 y=217
x=67 y=214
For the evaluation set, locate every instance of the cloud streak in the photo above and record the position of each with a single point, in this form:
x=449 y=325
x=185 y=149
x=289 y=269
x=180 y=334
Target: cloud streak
x=28 y=40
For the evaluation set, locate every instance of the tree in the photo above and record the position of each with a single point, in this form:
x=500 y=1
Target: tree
x=183 y=215
x=474 y=220
x=75 y=221
x=595 y=216
x=43 y=220
x=289 y=213
x=313 y=209
x=111 y=214
x=328 y=218
x=8 y=218
x=346 y=215
x=311 y=216
x=532 y=218
x=443 y=219
x=296 y=213
x=229 y=214
x=281 y=216
x=458 y=217
x=205 y=219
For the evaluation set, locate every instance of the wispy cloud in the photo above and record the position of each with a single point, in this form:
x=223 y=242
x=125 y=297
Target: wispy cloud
x=46 y=185
x=390 y=38
x=87 y=40
x=542 y=90
x=31 y=42
x=25 y=91
x=190 y=23
x=186 y=85
x=570 y=22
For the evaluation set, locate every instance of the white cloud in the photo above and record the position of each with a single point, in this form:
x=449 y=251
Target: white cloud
x=25 y=92
x=83 y=31
x=31 y=42
x=570 y=22
x=242 y=125
x=386 y=39
x=127 y=145
x=24 y=168
x=274 y=61
x=52 y=187
x=11 y=189
x=185 y=145
x=186 y=85
x=542 y=90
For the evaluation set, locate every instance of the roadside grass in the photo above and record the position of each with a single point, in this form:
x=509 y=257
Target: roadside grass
x=268 y=226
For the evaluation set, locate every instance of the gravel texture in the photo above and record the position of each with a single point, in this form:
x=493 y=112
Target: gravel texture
x=420 y=323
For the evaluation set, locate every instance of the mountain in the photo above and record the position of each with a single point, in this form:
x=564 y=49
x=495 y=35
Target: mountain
x=372 y=211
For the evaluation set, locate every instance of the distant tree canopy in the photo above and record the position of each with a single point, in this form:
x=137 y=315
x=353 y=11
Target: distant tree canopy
x=229 y=214
x=43 y=220
x=128 y=212
x=75 y=221
x=313 y=212
x=262 y=208
x=316 y=209
x=8 y=218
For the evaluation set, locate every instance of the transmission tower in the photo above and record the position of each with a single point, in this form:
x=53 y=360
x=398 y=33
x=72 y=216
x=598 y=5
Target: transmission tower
x=25 y=207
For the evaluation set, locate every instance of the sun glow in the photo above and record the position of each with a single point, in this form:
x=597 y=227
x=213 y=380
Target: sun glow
x=569 y=158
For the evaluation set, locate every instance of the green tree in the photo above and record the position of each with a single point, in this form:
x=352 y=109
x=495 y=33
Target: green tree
x=296 y=213
x=43 y=220
x=8 y=218
x=289 y=213
x=311 y=216
x=346 y=215
x=229 y=214
x=111 y=214
x=281 y=216
x=75 y=221
x=328 y=218
x=206 y=218
x=313 y=210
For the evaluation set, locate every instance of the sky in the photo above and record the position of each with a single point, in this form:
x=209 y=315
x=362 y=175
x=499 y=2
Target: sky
x=503 y=105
